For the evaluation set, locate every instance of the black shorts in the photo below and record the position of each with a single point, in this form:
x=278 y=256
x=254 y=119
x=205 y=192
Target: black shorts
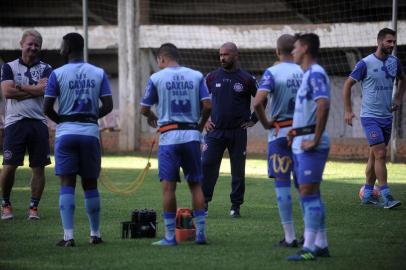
x=26 y=134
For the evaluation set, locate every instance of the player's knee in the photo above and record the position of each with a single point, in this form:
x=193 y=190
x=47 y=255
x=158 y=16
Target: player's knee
x=380 y=152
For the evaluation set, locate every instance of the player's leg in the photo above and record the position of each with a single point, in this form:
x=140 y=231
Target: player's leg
x=280 y=168
x=14 y=145
x=388 y=201
x=168 y=172
x=310 y=171
x=237 y=148
x=370 y=180
x=370 y=169
x=212 y=153
x=89 y=170
x=37 y=187
x=66 y=167
x=39 y=152
x=7 y=177
x=378 y=135
x=192 y=169
x=67 y=209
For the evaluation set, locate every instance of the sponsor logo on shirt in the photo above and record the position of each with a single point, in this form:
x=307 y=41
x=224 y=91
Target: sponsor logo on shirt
x=218 y=84
x=390 y=69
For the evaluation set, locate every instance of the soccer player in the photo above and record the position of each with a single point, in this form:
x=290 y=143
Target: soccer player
x=79 y=87
x=377 y=73
x=281 y=82
x=23 y=83
x=182 y=109
x=231 y=89
x=310 y=144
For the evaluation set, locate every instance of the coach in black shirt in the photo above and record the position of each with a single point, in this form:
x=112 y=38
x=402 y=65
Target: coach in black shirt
x=231 y=89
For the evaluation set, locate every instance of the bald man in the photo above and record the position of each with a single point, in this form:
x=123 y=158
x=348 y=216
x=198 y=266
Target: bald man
x=280 y=82
x=231 y=90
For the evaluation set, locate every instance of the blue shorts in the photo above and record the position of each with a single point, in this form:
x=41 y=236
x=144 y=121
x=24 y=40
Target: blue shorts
x=186 y=156
x=280 y=161
x=77 y=154
x=26 y=134
x=377 y=130
x=309 y=166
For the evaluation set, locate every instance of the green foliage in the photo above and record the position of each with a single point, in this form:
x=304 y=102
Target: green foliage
x=359 y=237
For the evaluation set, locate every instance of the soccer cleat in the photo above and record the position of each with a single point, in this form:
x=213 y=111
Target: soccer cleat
x=201 y=238
x=66 y=243
x=33 y=213
x=322 y=252
x=302 y=255
x=6 y=212
x=165 y=242
x=235 y=212
x=94 y=240
x=370 y=200
x=283 y=243
x=390 y=202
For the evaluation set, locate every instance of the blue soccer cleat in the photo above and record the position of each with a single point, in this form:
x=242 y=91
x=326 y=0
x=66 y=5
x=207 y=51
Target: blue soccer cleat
x=370 y=200
x=283 y=243
x=390 y=202
x=322 y=252
x=165 y=242
x=201 y=238
x=302 y=255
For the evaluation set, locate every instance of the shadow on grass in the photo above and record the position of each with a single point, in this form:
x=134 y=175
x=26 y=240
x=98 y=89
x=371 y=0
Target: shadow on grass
x=359 y=237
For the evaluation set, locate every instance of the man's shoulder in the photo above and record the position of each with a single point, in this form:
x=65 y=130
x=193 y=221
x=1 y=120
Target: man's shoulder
x=12 y=64
x=371 y=58
x=245 y=74
x=43 y=64
x=214 y=73
x=192 y=71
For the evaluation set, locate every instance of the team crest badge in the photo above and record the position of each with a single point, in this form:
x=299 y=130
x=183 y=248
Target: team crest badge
x=374 y=135
x=390 y=68
x=238 y=87
x=7 y=154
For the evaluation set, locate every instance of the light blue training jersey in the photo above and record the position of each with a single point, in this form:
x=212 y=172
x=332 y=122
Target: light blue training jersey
x=177 y=92
x=315 y=85
x=377 y=77
x=78 y=87
x=281 y=81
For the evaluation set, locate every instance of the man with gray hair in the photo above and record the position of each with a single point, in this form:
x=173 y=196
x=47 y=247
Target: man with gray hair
x=23 y=83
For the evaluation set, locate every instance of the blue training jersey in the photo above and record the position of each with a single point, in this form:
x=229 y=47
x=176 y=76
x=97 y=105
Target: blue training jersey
x=281 y=82
x=177 y=92
x=78 y=87
x=231 y=94
x=315 y=85
x=377 y=77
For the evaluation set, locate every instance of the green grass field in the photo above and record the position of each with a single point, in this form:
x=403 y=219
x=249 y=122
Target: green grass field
x=359 y=237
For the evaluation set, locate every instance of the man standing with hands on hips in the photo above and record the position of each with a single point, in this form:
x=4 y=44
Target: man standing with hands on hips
x=231 y=89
